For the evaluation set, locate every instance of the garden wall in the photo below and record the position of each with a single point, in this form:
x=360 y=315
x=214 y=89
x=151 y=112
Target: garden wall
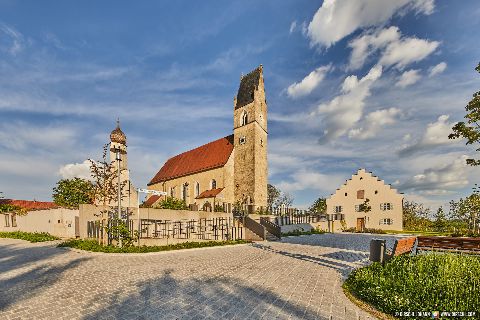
x=59 y=222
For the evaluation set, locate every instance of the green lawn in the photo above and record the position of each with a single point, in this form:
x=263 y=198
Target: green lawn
x=92 y=245
x=425 y=282
x=29 y=236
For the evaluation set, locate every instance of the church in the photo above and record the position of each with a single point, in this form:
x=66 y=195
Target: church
x=228 y=171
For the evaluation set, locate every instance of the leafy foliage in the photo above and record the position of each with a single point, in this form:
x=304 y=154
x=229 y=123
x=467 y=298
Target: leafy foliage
x=467 y=210
x=29 y=236
x=470 y=129
x=301 y=232
x=10 y=208
x=415 y=216
x=117 y=229
x=426 y=282
x=365 y=206
x=71 y=193
x=319 y=206
x=92 y=245
x=172 y=203
x=273 y=193
x=105 y=184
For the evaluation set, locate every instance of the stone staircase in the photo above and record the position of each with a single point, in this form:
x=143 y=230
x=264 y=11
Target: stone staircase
x=254 y=231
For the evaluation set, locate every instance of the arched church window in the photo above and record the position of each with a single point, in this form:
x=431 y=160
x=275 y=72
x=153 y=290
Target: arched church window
x=244 y=118
x=197 y=189
x=214 y=184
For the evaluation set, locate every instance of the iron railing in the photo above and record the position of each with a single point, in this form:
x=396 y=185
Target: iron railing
x=271 y=227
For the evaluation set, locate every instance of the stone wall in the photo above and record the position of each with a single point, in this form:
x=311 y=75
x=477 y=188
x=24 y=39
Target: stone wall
x=59 y=222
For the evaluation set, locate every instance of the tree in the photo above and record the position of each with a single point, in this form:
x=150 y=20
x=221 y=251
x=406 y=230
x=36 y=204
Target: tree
x=415 y=216
x=285 y=199
x=365 y=206
x=319 y=206
x=71 y=193
x=468 y=209
x=440 y=220
x=470 y=129
x=273 y=193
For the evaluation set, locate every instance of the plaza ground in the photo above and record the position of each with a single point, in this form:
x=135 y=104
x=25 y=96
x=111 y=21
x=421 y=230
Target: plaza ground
x=296 y=278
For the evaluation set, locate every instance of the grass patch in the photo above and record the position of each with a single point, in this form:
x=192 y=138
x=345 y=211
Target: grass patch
x=426 y=282
x=94 y=246
x=301 y=232
x=29 y=236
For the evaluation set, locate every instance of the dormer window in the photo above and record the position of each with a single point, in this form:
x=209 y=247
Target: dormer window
x=244 y=118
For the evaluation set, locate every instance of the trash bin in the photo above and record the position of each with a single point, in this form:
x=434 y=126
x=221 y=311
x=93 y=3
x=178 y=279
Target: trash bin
x=377 y=250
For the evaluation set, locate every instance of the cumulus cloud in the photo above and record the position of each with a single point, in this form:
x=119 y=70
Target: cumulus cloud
x=408 y=78
x=439 y=68
x=336 y=19
x=345 y=110
x=394 y=49
x=76 y=170
x=309 y=83
x=440 y=179
x=436 y=134
x=373 y=123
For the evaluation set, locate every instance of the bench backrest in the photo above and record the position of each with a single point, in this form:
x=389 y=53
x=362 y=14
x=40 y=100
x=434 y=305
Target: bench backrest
x=404 y=245
x=449 y=243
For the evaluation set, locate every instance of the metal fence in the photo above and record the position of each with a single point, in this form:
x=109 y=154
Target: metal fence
x=296 y=219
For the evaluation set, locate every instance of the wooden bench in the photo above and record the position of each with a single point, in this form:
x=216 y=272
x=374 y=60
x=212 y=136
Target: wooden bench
x=401 y=246
x=449 y=244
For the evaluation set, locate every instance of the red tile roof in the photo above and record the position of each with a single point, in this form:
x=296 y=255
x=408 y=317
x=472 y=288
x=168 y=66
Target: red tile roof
x=150 y=201
x=30 y=205
x=209 y=156
x=209 y=193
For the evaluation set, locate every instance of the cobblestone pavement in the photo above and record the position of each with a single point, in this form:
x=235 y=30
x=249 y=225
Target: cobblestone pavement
x=299 y=277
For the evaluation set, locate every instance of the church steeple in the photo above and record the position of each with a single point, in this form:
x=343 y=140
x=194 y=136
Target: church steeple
x=118 y=142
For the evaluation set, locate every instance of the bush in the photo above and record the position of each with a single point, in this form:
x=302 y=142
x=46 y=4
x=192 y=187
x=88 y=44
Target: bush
x=366 y=230
x=172 y=203
x=29 y=236
x=426 y=282
x=93 y=245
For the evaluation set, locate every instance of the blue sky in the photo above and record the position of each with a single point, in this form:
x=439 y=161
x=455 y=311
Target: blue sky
x=350 y=84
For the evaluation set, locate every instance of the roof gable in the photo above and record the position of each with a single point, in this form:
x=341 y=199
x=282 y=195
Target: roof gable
x=209 y=156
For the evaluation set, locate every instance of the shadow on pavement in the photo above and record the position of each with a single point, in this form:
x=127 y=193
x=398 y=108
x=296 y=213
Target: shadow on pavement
x=168 y=297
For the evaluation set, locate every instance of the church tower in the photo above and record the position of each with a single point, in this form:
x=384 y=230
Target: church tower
x=250 y=140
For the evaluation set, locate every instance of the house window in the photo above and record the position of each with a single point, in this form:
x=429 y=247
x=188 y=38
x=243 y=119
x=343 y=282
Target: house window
x=358 y=208
x=242 y=140
x=214 y=184
x=7 y=220
x=14 y=220
x=386 y=206
x=338 y=209
x=360 y=194
x=386 y=221
x=172 y=192
x=244 y=118
x=197 y=189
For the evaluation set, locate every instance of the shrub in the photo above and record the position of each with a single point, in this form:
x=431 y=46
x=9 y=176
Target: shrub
x=302 y=232
x=426 y=282
x=29 y=236
x=93 y=245
x=172 y=203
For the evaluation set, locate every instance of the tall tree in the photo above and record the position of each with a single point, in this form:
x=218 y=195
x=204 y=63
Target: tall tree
x=319 y=206
x=440 y=220
x=273 y=193
x=470 y=129
x=415 y=216
x=468 y=209
x=71 y=193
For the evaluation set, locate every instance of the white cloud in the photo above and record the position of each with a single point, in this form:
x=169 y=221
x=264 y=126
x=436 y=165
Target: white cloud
x=309 y=83
x=76 y=170
x=367 y=44
x=395 y=50
x=305 y=179
x=374 y=121
x=439 y=68
x=408 y=50
x=293 y=26
x=11 y=40
x=440 y=179
x=408 y=78
x=436 y=134
x=345 y=110
x=336 y=19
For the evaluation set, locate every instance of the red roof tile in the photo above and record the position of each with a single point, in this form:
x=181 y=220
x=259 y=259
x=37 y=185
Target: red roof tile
x=209 y=156
x=30 y=205
x=151 y=200
x=209 y=193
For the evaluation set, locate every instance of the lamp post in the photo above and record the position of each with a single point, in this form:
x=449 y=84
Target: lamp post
x=119 y=214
